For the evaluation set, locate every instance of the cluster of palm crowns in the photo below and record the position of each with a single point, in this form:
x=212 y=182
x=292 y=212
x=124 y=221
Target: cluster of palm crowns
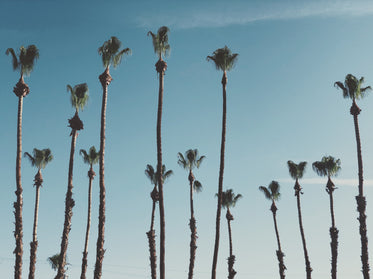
x=224 y=60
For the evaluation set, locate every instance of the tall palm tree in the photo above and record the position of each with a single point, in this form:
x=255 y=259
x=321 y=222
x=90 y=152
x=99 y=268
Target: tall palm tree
x=79 y=98
x=229 y=200
x=39 y=159
x=190 y=161
x=352 y=88
x=23 y=62
x=153 y=177
x=91 y=158
x=272 y=193
x=224 y=60
x=161 y=48
x=296 y=171
x=328 y=166
x=111 y=55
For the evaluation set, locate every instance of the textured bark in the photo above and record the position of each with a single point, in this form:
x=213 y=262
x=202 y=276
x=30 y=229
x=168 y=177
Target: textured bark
x=332 y=230
x=279 y=253
x=232 y=258
x=298 y=189
x=221 y=174
x=91 y=175
x=105 y=80
x=161 y=67
x=193 y=228
x=360 y=199
x=151 y=235
x=69 y=204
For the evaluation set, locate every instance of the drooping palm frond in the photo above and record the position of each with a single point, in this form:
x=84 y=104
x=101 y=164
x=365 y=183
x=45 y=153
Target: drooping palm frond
x=272 y=192
x=229 y=199
x=190 y=160
x=14 y=58
x=165 y=173
x=197 y=186
x=26 y=58
x=110 y=53
x=296 y=171
x=223 y=59
x=91 y=157
x=78 y=95
x=181 y=161
x=160 y=41
x=150 y=173
x=328 y=166
x=53 y=261
x=352 y=87
x=40 y=158
x=266 y=192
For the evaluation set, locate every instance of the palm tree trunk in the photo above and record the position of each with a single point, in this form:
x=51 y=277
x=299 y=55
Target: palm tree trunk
x=91 y=175
x=193 y=229
x=279 y=253
x=151 y=238
x=232 y=258
x=69 y=204
x=307 y=261
x=333 y=230
x=18 y=232
x=34 y=243
x=161 y=67
x=221 y=173
x=360 y=199
x=105 y=80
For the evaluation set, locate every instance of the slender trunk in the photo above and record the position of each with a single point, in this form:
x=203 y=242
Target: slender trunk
x=221 y=173
x=105 y=80
x=307 y=261
x=161 y=67
x=232 y=258
x=360 y=199
x=69 y=204
x=279 y=253
x=193 y=229
x=332 y=230
x=151 y=236
x=91 y=175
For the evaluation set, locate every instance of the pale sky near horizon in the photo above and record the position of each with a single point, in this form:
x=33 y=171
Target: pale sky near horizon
x=281 y=105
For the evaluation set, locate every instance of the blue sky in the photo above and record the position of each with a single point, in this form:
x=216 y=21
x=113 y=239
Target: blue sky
x=281 y=106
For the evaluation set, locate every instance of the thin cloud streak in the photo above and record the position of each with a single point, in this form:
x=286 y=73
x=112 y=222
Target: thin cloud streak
x=322 y=181
x=205 y=17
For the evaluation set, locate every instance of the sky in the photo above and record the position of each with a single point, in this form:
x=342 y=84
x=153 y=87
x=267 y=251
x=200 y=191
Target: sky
x=281 y=105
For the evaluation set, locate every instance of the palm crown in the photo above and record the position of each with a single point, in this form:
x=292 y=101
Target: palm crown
x=352 y=87
x=272 y=192
x=91 y=157
x=153 y=175
x=328 y=166
x=190 y=160
x=229 y=199
x=25 y=60
x=160 y=41
x=110 y=53
x=223 y=58
x=40 y=158
x=296 y=171
x=79 y=95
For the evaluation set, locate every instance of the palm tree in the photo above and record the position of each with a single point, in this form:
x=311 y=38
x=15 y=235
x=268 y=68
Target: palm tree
x=229 y=200
x=352 y=88
x=296 y=171
x=24 y=63
x=272 y=193
x=153 y=177
x=111 y=55
x=224 y=60
x=91 y=158
x=328 y=166
x=39 y=159
x=79 y=98
x=190 y=161
x=161 y=48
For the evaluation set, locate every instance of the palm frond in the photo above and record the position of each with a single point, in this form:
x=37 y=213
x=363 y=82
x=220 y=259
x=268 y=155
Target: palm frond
x=110 y=53
x=229 y=199
x=27 y=58
x=197 y=186
x=15 y=62
x=266 y=192
x=31 y=158
x=118 y=57
x=223 y=59
x=53 y=261
x=181 y=160
x=320 y=168
x=78 y=95
x=296 y=171
x=341 y=86
x=274 y=186
x=160 y=41
x=150 y=173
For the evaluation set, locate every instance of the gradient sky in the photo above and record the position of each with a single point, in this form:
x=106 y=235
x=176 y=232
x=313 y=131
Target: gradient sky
x=281 y=106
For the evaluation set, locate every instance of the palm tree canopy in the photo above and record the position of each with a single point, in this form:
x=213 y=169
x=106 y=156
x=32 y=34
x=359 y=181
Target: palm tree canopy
x=190 y=160
x=91 y=157
x=223 y=58
x=79 y=95
x=53 y=260
x=110 y=53
x=352 y=87
x=328 y=166
x=197 y=186
x=160 y=41
x=229 y=199
x=296 y=170
x=272 y=192
x=40 y=158
x=25 y=60
x=153 y=175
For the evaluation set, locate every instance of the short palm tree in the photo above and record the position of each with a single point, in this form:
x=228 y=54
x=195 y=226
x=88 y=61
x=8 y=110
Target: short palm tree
x=352 y=88
x=111 y=55
x=53 y=261
x=161 y=48
x=23 y=62
x=153 y=177
x=229 y=200
x=272 y=193
x=39 y=159
x=189 y=161
x=296 y=171
x=91 y=158
x=224 y=60
x=328 y=166
x=79 y=98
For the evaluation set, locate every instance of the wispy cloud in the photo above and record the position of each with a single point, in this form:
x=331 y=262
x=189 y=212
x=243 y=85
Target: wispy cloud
x=204 y=17
x=337 y=182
